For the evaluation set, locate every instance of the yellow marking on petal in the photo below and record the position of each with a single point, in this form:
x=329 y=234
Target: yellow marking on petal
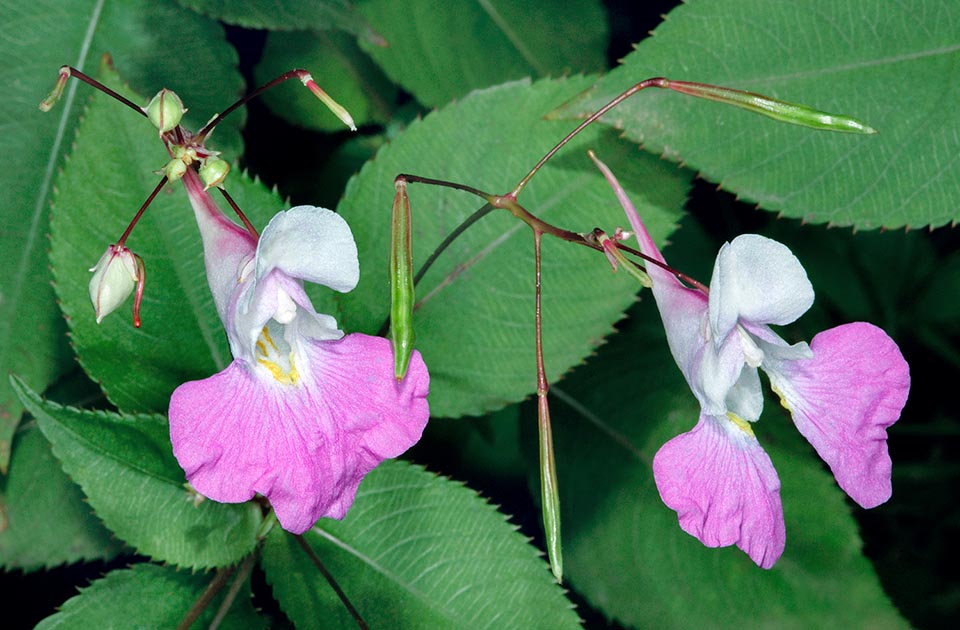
x=284 y=378
x=740 y=423
x=266 y=335
x=262 y=348
x=783 y=400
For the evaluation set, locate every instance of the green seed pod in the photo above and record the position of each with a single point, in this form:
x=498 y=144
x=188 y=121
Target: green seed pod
x=783 y=111
x=402 y=296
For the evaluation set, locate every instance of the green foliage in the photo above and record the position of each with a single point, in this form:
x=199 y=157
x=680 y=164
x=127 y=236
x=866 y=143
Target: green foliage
x=623 y=547
x=338 y=65
x=893 y=66
x=126 y=468
x=44 y=521
x=474 y=322
x=181 y=337
x=287 y=15
x=439 y=51
x=417 y=551
x=146 y=596
x=39 y=37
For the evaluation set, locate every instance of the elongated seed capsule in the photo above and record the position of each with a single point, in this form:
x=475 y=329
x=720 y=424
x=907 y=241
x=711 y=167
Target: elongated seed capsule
x=783 y=111
x=402 y=296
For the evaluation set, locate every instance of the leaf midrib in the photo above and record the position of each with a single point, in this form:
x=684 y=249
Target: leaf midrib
x=22 y=267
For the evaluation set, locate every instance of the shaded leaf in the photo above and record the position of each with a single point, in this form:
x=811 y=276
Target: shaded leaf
x=624 y=549
x=893 y=66
x=147 y=596
x=287 y=15
x=417 y=551
x=38 y=38
x=126 y=468
x=474 y=323
x=181 y=337
x=339 y=67
x=439 y=51
x=44 y=520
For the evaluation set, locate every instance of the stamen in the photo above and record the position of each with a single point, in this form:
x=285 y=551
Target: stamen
x=752 y=353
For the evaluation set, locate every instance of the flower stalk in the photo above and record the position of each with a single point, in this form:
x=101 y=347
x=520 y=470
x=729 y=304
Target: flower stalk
x=549 y=486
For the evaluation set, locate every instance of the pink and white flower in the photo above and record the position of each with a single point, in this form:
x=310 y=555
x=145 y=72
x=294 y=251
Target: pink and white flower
x=843 y=391
x=303 y=412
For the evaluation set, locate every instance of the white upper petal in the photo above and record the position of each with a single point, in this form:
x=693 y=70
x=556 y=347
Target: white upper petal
x=758 y=281
x=310 y=243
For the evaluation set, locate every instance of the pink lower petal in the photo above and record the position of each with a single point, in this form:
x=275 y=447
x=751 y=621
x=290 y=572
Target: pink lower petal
x=843 y=400
x=305 y=447
x=724 y=489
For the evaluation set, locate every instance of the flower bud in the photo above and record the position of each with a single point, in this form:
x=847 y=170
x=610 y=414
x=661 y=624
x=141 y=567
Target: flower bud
x=213 y=171
x=174 y=169
x=165 y=110
x=115 y=276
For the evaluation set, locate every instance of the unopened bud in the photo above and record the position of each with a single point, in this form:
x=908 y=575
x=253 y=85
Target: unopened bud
x=213 y=171
x=115 y=276
x=165 y=110
x=174 y=169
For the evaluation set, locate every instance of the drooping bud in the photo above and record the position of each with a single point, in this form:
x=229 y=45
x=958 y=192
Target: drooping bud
x=402 y=296
x=778 y=110
x=213 y=171
x=165 y=110
x=57 y=91
x=115 y=276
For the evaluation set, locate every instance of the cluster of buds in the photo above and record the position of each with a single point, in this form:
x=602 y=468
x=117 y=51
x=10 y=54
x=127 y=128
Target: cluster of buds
x=119 y=271
x=165 y=111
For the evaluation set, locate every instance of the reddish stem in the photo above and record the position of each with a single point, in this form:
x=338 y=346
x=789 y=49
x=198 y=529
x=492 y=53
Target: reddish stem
x=136 y=218
x=100 y=86
x=286 y=76
x=246 y=222
x=654 y=82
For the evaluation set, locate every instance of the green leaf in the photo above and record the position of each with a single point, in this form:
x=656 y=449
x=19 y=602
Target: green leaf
x=338 y=66
x=39 y=37
x=126 y=468
x=475 y=320
x=287 y=15
x=440 y=51
x=624 y=550
x=44 y=521
x=147 y=596
x=416 y=551
x=181 y=337
x=893 y=66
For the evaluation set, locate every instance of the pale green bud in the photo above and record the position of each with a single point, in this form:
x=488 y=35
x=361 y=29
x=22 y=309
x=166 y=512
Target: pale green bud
x=213 y=171
x=174 y=169
x=165 y=110
x=114 y=278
